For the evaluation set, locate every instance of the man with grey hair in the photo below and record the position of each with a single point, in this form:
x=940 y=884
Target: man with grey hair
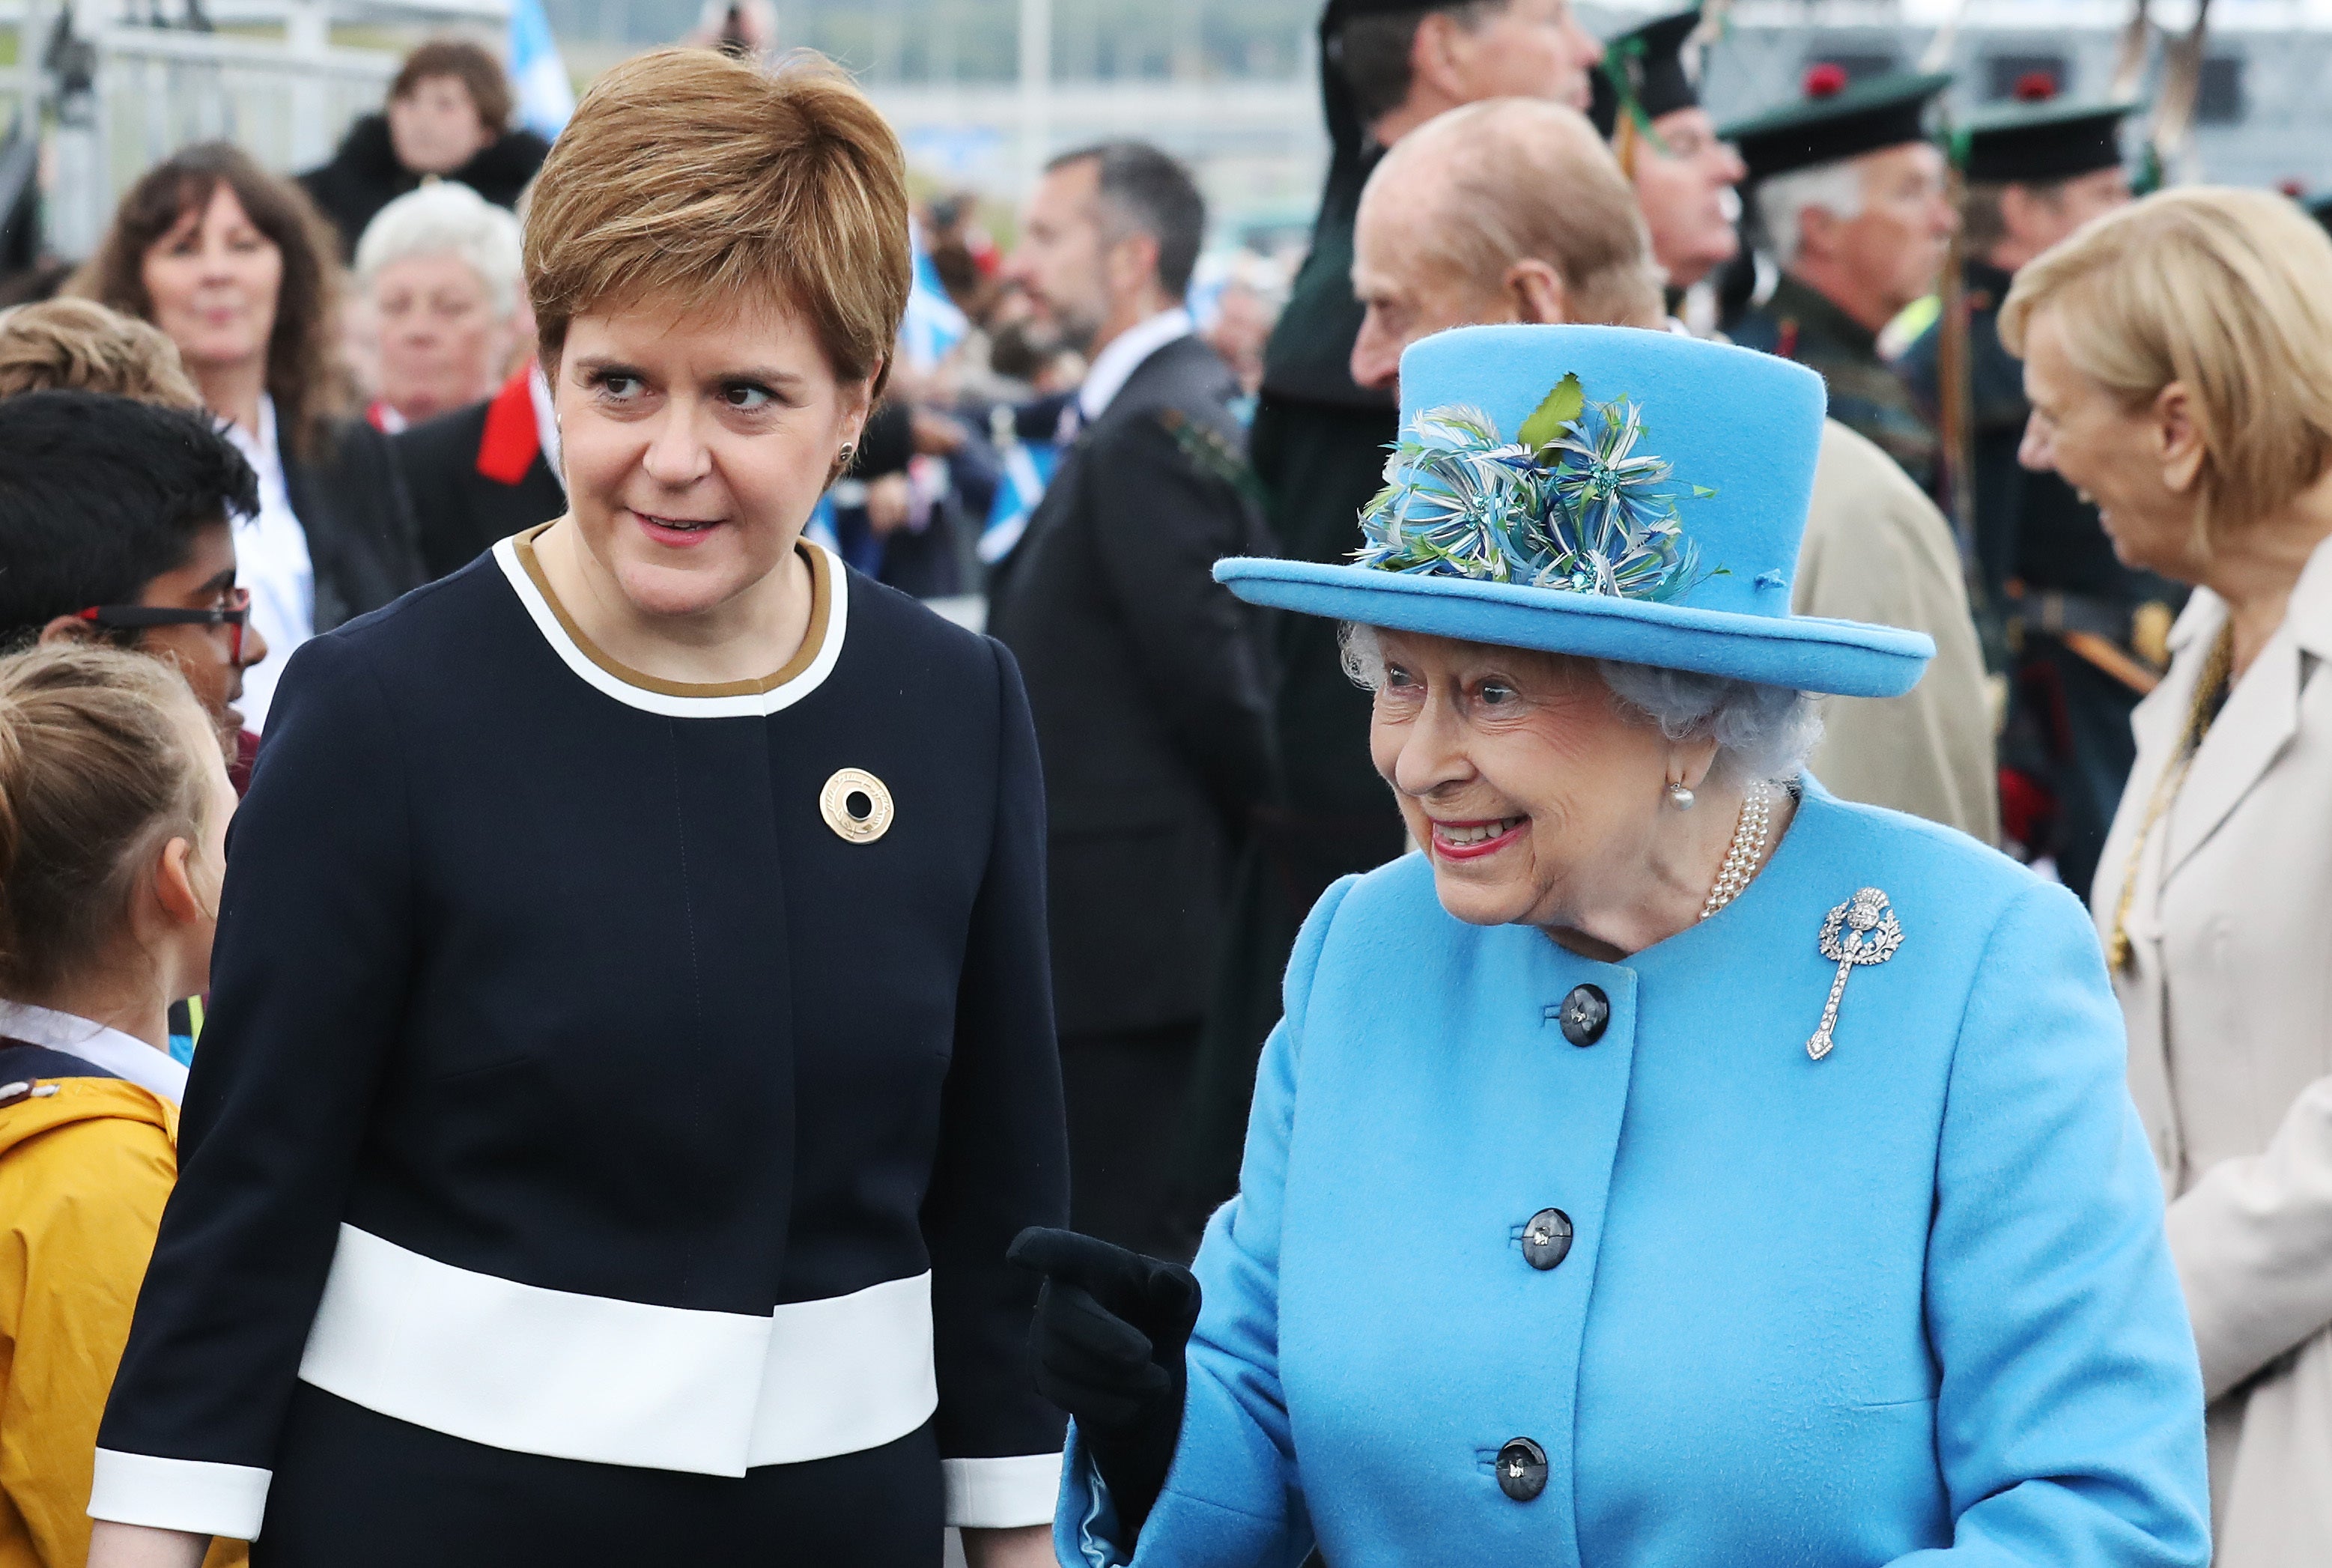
x=1510 y=210
x=1850 y=201
x=1146 y=678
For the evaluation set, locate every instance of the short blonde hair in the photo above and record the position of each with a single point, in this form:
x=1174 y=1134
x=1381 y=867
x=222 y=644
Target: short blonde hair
x=82 y=346
x=2228 y=292
x=1524 y=179
x=693 y=177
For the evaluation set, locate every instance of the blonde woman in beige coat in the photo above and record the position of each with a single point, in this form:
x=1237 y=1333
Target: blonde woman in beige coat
x=2179 y=359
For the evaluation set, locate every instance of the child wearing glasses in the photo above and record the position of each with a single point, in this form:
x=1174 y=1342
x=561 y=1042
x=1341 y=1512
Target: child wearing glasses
x=114 y=803
x=115 y=521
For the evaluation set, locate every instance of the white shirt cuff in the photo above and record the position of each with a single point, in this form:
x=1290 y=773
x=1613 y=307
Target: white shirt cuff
x=190 y=1495
x=1006 y=1494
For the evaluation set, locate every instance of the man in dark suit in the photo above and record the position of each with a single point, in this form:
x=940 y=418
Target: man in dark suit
x=481 y=473
x=1146 y=678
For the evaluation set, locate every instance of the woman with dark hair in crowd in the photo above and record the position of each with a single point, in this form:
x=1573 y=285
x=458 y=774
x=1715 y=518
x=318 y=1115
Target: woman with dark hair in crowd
x=566 y=1181
x=447 y=118
x=234 y=266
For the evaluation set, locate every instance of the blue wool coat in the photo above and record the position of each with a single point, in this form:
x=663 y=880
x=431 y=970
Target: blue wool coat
x=1908 y=1303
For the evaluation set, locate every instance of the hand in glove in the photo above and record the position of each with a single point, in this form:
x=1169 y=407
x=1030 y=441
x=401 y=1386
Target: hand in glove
x=1107 y=1345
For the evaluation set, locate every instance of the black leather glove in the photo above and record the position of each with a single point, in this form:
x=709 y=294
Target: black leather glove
x=1107 y=1345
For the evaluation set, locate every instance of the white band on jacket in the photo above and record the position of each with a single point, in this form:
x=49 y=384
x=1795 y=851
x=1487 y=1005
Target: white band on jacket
x=1002 y=1494
x=620 y=1382
x=191 y=1494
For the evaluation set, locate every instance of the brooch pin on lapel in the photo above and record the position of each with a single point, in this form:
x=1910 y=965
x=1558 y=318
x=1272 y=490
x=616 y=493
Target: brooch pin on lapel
x=1862 y=930
x=856 y=805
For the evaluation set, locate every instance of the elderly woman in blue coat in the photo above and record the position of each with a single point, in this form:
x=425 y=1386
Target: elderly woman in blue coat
x=1672 y=1164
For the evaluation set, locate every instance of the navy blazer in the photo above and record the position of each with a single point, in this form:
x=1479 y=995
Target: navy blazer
x=571 y=1087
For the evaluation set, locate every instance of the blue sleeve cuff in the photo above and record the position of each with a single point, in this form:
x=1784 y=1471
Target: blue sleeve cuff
x=1086 y=1532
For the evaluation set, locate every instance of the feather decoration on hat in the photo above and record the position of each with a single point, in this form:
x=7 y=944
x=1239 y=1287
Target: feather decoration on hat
x=1571 y=505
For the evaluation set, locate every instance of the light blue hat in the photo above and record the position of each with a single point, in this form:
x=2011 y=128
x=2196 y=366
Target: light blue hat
x=1601 y=490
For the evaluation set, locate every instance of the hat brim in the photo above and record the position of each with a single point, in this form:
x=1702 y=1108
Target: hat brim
x=1803 y=652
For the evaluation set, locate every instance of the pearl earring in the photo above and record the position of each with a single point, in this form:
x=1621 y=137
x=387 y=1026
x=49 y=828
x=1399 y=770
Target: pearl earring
x=1680 y=797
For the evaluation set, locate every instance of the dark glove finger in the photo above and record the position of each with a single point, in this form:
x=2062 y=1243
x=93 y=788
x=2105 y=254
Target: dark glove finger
x=1104 y=1405
x=1070 y=1313
x=1100 y=1267
x=1172 y=1301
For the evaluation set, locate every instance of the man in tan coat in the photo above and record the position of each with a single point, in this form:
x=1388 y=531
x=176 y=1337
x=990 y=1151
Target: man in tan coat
x=1512 y=211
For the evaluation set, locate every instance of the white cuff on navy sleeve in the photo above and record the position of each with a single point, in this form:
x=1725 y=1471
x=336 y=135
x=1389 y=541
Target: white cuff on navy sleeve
x=191 y=1494
x=1002 y=1494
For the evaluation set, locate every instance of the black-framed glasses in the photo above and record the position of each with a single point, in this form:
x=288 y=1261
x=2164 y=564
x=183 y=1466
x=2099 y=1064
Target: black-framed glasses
x=139 y=618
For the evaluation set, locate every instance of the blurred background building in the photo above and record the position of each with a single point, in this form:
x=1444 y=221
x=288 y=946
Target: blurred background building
x=91 y=90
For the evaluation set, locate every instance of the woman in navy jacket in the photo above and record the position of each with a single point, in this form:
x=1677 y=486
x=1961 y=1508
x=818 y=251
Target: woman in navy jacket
x=1673 y=1165
x=630 y=1053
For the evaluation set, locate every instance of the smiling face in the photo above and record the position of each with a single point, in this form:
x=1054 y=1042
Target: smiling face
x=695 y=445
x=1520 y=776
x=440 y=345
x=213 y=280
x=2139 y=465
x=1685 y=182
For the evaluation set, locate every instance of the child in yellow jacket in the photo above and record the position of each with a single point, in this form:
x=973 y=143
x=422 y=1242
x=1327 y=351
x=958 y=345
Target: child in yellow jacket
x=114 y=802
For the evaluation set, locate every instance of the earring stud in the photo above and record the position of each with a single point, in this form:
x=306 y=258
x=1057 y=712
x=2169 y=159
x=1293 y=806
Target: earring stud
x=1680 y=797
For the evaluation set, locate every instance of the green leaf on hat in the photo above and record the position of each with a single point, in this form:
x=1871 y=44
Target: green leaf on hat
x=1555 y=414
x=1703 y=493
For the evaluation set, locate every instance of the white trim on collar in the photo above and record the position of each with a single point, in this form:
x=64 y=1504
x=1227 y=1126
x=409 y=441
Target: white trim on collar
x=1115 y=366
x=123 y=1056
x=751 y=705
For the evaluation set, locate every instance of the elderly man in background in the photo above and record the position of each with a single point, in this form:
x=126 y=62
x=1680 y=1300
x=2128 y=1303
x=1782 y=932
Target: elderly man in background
x=1386 y=67
x=438 y=273
x=1146 y=678
x=1850 y=199
x=1649 y=108
x=1876 y=547
x=447 y=118
x=441 y=273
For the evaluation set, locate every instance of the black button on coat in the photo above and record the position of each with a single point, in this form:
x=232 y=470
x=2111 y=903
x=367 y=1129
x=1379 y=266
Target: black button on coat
x=1585 y=1013
x=1546 y=1239
x=1522 y=1469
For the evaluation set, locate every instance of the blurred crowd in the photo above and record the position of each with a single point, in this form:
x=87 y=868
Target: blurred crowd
x=330 y=394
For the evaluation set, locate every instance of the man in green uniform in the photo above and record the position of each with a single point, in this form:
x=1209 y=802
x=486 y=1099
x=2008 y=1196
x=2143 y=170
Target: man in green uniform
x=2084 y=634
x=1850 y=201
x=1318 y=445
x=1648 y=107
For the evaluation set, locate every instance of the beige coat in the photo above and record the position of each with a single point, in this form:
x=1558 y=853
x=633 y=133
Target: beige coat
x=2229 y=1001
x=1876 y=550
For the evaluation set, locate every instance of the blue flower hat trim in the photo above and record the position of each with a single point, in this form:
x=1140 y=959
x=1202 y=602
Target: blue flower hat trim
x=1570 y=504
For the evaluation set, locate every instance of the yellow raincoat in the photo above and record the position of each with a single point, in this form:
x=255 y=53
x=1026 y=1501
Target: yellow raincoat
x=85 y=1166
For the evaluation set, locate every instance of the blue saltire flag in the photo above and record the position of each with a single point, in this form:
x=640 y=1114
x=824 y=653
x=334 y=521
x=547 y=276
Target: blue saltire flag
x=933 y=324
x=1027 y=468
x=545 y=97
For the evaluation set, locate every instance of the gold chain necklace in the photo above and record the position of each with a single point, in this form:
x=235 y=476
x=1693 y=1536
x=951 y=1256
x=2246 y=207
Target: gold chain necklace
x=2210 y=696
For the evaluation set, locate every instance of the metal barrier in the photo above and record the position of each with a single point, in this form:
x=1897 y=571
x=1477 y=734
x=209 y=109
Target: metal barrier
x=116 y=95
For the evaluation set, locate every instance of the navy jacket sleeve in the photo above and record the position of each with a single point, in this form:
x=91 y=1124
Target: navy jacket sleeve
x=309 y=979
x=1002 y=1163
x=1160 y=524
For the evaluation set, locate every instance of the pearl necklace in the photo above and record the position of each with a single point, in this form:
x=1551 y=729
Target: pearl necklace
x=1748 y=850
